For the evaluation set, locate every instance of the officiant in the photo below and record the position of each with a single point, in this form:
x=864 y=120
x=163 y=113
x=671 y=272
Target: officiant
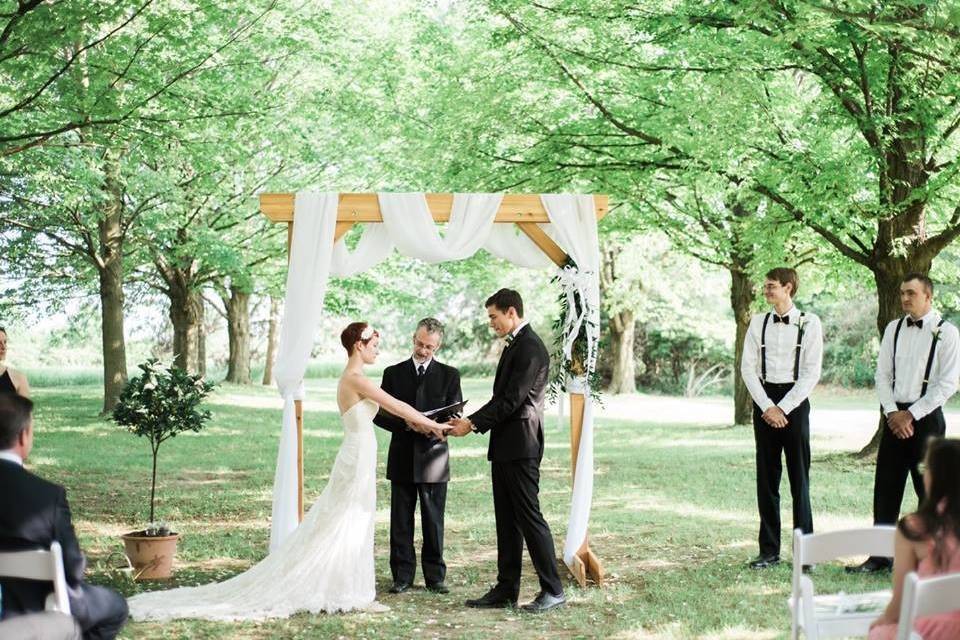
x=418 y=465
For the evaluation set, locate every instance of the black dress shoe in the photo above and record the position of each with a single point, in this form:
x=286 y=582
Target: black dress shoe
x=763 y=562
x=438 y=587
x=492 y=599
x=873 y=564
x=544 y=602
x=399 y=587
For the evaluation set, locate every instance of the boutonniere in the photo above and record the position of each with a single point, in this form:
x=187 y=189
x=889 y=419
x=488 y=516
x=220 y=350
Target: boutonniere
x=935 y=331
x=802 y=320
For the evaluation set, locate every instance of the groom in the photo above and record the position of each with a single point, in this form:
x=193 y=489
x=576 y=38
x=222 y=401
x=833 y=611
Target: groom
x=418 y=465
x=514 y=418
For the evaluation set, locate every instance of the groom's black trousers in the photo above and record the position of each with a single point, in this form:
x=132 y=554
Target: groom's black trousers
x=516 y=504
x=403 y=505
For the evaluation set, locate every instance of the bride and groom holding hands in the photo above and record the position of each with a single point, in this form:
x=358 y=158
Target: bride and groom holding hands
x=327 y=564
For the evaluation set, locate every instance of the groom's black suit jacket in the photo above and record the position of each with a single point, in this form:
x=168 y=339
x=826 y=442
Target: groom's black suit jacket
x=414 y=457
x=514 y=416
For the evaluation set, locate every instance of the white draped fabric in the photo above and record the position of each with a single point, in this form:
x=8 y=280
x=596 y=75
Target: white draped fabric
x=306 y=286
x=408 y=226
x=574 y=223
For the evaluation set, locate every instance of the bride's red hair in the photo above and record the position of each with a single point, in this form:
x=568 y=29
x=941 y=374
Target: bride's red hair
x=354 y=334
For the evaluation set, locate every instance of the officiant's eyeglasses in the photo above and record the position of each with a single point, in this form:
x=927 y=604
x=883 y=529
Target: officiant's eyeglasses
x=428 y=347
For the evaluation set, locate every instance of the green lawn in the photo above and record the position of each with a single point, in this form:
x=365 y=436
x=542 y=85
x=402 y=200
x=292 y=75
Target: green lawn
x=674 y=520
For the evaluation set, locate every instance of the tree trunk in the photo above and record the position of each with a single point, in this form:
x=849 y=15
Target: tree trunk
x=110 y=271
x=238 y=332
x=201 y=336
x=622 y=334
x=741 y=297
x=186 y=314
x=271 y=340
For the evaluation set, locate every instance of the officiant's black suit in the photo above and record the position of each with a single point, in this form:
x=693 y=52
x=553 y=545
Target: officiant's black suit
x=417 y=467
x=33 y=514
x=514 y=418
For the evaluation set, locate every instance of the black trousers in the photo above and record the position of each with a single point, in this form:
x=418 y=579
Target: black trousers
x=516 y=504
x=403 y=505
x=896 y=459
x=101 y=612
x=793 y=443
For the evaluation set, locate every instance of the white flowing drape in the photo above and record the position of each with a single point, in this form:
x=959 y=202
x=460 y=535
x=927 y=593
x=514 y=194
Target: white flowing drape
x=408 y=226
x=306 y=285
x=574 y=223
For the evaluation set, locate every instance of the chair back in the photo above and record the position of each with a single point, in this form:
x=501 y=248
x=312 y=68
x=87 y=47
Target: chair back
x=815 y=548
x=40 y=565
x=926 y=597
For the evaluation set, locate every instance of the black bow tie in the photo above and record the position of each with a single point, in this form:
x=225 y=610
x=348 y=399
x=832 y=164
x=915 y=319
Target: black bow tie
x=915 y=323
x=783 y=319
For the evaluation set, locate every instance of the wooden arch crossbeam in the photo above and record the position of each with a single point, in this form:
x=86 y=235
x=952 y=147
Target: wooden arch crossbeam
x=526 y=210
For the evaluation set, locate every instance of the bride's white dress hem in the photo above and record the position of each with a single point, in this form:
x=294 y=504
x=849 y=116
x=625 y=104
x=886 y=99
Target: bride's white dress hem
x=326 y=566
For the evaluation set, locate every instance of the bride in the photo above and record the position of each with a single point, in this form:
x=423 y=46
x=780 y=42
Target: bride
x=326 y=565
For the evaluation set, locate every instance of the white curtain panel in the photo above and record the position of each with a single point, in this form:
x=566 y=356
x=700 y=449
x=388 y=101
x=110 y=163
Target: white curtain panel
x=374 y=247
x=315 y=217
x=574 y=222
x=412 y=229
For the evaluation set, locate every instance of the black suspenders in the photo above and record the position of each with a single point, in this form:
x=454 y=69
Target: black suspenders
x=763 y=348
x=933 y=350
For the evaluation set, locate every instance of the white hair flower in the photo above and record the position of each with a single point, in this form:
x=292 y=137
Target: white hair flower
x=367 y=333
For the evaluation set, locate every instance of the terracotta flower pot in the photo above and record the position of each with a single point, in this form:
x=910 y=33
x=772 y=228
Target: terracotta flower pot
x=151 y=556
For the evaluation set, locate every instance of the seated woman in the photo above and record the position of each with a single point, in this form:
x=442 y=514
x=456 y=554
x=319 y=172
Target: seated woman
x=11 y=381
x=928 y=542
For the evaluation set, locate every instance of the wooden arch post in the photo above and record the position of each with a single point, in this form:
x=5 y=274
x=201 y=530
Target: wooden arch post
x=523 y=209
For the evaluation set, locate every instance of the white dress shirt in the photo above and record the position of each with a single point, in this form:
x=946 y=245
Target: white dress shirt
x=425 y=364
x=913 y=349
x=8 y=454
x=513 y=334
x=781 y=346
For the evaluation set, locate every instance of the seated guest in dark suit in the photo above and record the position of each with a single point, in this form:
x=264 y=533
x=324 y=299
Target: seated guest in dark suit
x=33 y=514
x=418 y=465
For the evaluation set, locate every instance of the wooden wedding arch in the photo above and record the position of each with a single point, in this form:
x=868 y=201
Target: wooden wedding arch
x=525 y=210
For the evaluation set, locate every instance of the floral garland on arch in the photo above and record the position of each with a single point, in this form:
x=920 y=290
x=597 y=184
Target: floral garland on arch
x=576 y=336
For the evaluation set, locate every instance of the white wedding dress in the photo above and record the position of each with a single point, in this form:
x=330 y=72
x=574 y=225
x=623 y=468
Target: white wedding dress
x=326 y=565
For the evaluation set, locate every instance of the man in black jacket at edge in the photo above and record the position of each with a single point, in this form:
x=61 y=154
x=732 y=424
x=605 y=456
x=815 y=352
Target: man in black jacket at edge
x=514 y=418
x=33 y=514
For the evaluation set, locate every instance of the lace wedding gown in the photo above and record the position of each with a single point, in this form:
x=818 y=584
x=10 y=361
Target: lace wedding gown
x=326 y=565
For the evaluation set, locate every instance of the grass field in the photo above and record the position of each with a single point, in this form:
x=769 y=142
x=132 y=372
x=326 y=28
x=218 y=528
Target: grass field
x=674 y=518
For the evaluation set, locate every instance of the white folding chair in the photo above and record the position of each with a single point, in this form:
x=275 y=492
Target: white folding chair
x=39 y=565
x=926 y=597
x=830 y=615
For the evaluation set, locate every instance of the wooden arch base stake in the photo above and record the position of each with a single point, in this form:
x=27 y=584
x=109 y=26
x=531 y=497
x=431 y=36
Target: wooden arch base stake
x=585 y=562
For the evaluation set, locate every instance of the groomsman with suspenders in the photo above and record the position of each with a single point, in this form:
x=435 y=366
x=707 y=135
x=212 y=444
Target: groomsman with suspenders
x=917 y=371
x=782 y=356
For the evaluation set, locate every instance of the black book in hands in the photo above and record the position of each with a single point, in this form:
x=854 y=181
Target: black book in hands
x=442 y=414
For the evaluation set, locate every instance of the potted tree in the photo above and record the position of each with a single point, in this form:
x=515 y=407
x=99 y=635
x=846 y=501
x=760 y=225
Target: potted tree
x=157 y=405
